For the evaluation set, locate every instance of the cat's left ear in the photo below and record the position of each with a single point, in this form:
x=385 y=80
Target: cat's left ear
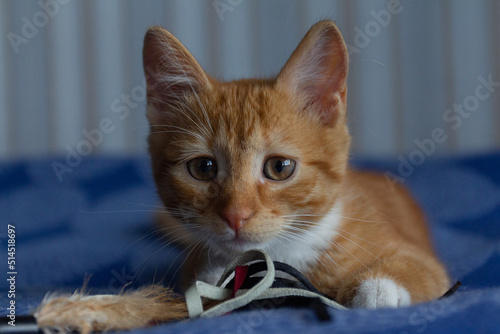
x=316 y=73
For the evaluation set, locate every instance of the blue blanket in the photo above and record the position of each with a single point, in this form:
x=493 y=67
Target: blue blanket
x=97 y=223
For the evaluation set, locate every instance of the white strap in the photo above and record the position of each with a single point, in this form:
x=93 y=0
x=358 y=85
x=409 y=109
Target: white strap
x=200 y=289
x=285 y=292
x=260 y=291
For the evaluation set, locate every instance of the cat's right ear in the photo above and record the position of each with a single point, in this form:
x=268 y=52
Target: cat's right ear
x=172 y=73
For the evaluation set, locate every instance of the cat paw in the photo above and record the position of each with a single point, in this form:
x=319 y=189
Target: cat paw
x=380 y=292
x=126 y=311
x=78 y=313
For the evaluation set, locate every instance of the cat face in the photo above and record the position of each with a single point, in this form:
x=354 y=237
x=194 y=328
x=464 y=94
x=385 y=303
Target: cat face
x=239 y=163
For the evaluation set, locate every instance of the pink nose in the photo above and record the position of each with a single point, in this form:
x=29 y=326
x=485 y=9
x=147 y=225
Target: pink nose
x=235 y=218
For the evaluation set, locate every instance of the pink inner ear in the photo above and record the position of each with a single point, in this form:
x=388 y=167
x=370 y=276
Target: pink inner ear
x=324 y=96
x=317 y=72
x=326 y=107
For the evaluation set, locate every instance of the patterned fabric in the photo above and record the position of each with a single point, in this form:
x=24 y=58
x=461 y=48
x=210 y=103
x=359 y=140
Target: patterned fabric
x=98 y=223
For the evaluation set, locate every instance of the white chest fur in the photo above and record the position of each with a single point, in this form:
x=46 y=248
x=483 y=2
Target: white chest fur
x=306 y=247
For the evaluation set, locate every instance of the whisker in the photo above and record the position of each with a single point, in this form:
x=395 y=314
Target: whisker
x=119 y=211
x=345 y=249
x=302 y=215
x=199 y=242
x=378 y=211
x=367 y=251
x=357 y=237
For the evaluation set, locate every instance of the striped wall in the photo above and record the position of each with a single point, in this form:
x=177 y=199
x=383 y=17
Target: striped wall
x=70 y=67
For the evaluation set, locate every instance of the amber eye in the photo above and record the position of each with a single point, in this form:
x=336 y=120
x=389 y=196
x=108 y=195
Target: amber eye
x=278 y=168
x=203 y=169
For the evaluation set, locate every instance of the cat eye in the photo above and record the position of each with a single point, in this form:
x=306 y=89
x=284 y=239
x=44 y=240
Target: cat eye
x=202 y=168
x=278 y=168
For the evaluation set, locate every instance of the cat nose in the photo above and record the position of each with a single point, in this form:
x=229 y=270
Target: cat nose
x=235 y=218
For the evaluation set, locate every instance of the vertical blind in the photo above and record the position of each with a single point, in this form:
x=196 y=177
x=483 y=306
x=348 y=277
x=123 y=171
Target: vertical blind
x=418 y=68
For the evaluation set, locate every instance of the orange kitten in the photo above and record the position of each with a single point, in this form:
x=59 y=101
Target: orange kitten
x=263 y=164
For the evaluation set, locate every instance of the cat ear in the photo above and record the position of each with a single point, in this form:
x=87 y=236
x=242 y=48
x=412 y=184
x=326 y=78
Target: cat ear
x=316 y=73
x=171 y=71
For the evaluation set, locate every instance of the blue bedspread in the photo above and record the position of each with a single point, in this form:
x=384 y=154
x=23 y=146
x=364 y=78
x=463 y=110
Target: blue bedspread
x=98 y=222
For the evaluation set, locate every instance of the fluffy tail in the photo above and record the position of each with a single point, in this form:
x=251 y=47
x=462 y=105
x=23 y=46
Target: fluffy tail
x=83 y=313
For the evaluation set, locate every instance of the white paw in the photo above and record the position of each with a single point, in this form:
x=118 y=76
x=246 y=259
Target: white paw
x=380 y=292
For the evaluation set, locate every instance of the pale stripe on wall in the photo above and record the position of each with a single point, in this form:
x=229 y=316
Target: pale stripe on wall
x=80 y=66
x=5 y=116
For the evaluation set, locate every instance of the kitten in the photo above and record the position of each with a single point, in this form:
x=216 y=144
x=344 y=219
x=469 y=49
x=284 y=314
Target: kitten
x=263 y=164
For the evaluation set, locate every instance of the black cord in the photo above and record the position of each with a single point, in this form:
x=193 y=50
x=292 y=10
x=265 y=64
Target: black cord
x=452 y=290
x=24 y=324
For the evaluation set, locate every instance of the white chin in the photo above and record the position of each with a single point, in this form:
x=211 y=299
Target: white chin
x=239 y=246
x=230 y=244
